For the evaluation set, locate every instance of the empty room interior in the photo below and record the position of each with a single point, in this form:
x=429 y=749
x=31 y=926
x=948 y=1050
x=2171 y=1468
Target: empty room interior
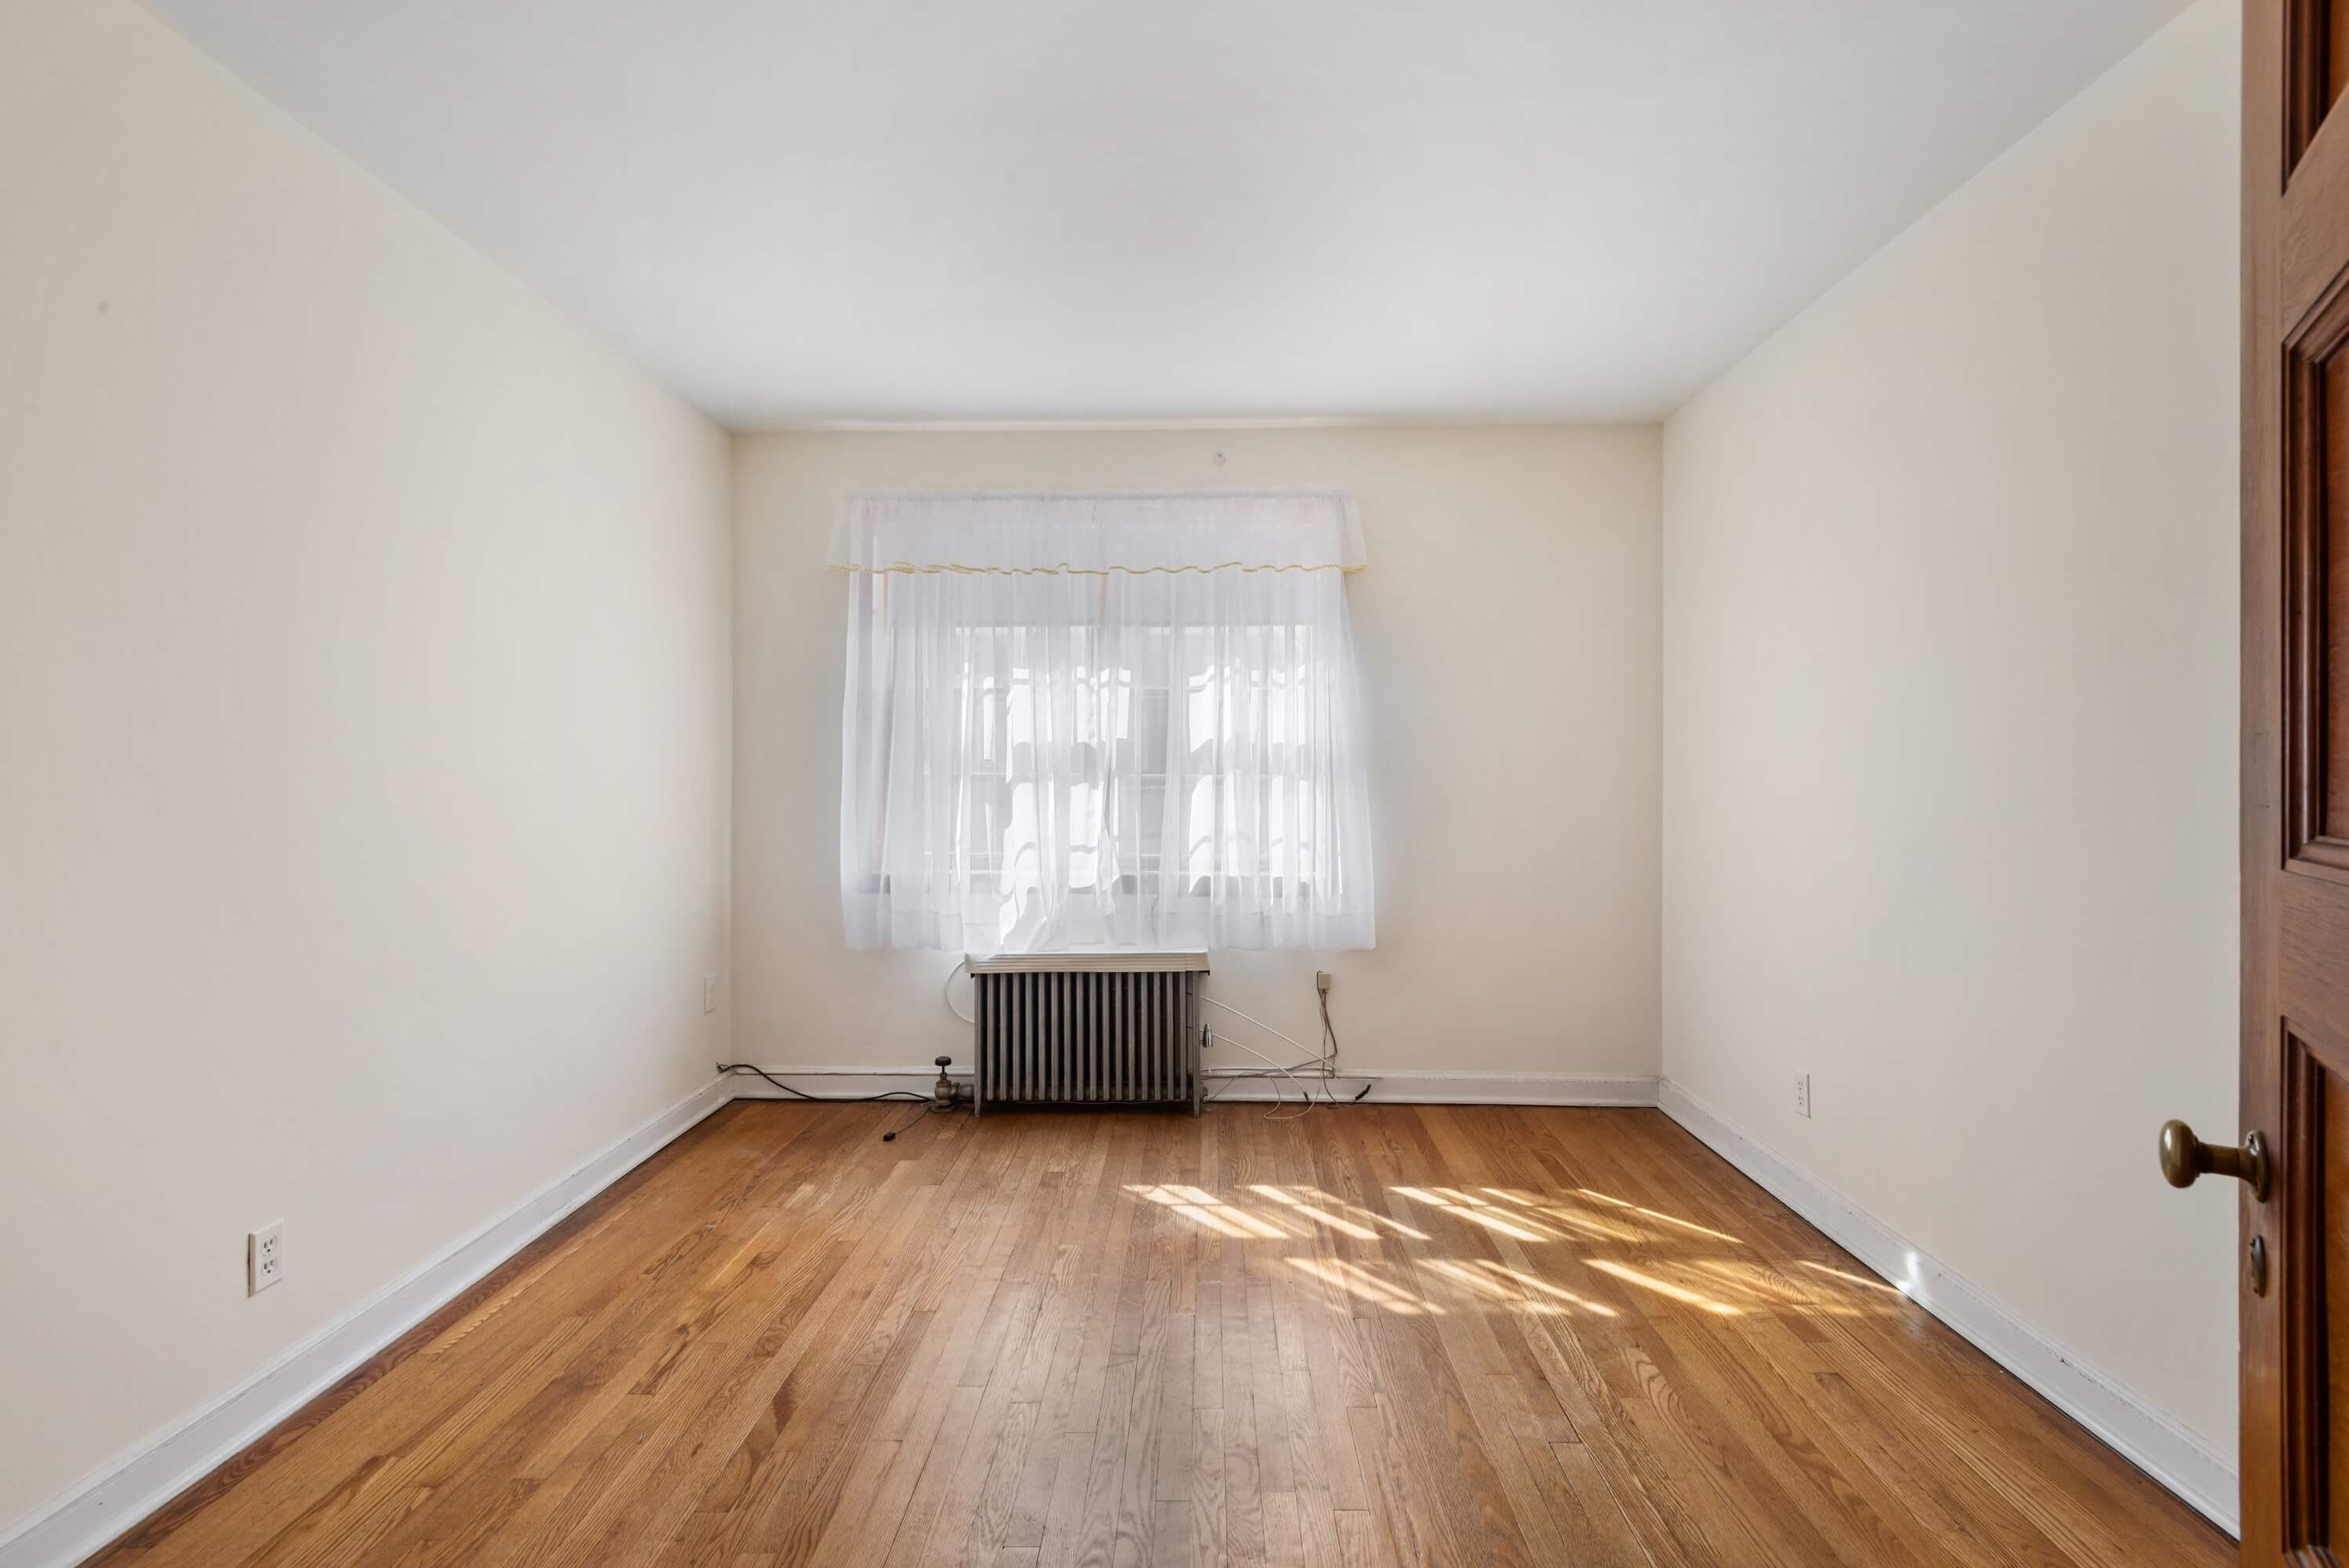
x=1033 y=784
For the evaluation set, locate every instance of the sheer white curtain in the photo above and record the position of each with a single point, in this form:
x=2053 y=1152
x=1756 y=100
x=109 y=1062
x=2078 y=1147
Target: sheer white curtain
x=1110 y=718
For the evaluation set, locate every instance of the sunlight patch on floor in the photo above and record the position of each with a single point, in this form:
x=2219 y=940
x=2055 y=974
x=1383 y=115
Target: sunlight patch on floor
x=1343 y=1227
x=1467 y=1209
x=1658 y=1214
x=1360 y=1282
x=1529 y=1282
x=1204 y=1210
x=1630 y=1276
x=1643 y=1248
x=1855 y=1279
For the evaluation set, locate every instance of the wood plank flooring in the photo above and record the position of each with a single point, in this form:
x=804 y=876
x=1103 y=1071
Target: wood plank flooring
x=1370 y=1336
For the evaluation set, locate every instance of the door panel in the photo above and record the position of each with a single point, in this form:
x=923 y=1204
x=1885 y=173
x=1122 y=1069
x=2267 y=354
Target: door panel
x=2314 y=1206
x=2295 y=799
x=2336 y=52
x=2330 y=518
x=2317 y=591
x=2315 y=52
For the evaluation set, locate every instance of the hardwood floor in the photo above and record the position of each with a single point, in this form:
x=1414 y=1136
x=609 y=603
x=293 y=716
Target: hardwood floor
x=1384 y=1334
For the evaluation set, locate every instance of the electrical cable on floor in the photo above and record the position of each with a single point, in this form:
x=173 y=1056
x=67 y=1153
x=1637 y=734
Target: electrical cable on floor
x=1275 y=1071
x=1288 y=1073
x=1324 y=1062
x=891 y=1136
x=822 y=1099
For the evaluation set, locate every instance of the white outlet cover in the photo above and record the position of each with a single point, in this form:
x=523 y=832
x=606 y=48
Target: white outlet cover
x=264 y=1258
x=710 y=993
x=1802 y=1094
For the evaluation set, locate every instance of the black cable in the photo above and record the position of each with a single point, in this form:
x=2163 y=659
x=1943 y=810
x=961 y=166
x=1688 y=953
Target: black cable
x=1330 y=1029
x=1329 y=1034
x=1330 y=1099
x=822 y=1099
x=890 y=1137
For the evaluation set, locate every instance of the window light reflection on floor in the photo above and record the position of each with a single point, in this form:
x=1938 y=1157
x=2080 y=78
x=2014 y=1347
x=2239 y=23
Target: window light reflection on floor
x=1583 y=1222
x=1204 y=1210
x=1476 y=1283
x=1630 y=1276
x=1491 y=1220
x=1293 y=1212
x=1781 y=1293
x=1343 y=1227
x=1357 y=1281
x=1856 y=1279
x=1667 y=1218
x=1529 y=1282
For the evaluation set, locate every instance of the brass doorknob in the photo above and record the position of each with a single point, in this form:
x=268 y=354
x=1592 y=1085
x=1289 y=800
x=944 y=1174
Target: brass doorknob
x=2185 y=1157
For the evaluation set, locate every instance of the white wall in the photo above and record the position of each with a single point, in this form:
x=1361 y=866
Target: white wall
x=1507 y=633
x=1949 y=726
x=363 y=736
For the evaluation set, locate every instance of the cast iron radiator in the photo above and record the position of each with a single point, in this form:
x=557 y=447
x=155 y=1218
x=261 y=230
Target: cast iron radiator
x=1086 y=1028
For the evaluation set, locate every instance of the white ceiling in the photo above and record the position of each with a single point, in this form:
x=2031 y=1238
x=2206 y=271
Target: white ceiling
x=1019 y=209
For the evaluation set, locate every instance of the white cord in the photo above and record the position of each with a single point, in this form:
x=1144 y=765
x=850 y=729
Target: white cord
x=1276 y=1067
x=946 y=992
x=1259 y=1023
x=1321 y=1059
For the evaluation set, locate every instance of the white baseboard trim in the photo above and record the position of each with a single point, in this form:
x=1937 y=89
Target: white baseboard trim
x=2203 y=1477
x=119 y=1496
x=1404 y=1088
x=1452 y=1089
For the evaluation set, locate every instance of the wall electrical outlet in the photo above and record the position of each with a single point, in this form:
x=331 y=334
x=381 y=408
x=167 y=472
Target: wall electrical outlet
x=1802 y=1094
x=710 y=993
x=1321 y=981
x=264 y=1258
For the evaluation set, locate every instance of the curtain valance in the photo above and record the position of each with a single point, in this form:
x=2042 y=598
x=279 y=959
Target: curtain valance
x=1076 y=532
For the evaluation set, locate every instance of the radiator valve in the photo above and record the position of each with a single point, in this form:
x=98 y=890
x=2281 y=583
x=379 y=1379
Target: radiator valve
x=942 y=1093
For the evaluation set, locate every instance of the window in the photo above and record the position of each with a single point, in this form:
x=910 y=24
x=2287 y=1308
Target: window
x=1122 y=719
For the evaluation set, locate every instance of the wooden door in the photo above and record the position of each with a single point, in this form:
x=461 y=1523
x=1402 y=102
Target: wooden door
x=2295 y=799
